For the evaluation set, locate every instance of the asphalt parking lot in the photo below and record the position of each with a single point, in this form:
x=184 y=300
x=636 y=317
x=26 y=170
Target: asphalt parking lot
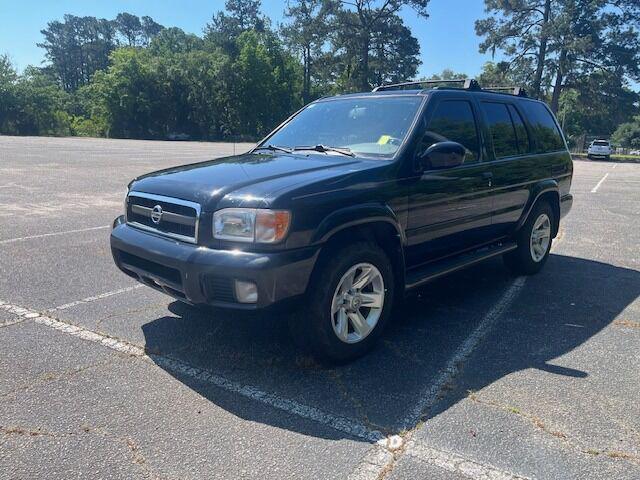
x=480 y=376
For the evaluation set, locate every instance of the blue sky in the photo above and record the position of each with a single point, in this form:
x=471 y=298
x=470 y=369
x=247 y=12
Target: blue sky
x=447 y=37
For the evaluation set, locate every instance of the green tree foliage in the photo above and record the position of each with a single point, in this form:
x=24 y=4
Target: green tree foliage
x=32 y=103
x=225 y=27
x=362 y=27
x=131 y=77
x=265 y=89
x=77 y=47
x=596 y=104
x=446 y=74
x=306 y=35
x=8 y=100
x=130 y=27
x=181 y=85
x=628 y=134
x=559 y=42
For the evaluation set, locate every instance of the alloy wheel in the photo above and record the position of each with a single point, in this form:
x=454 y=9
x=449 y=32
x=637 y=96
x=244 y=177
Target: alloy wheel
x=357 y=303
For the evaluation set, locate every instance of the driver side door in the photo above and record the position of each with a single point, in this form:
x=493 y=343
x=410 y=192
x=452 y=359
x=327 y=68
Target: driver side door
x=450 y=206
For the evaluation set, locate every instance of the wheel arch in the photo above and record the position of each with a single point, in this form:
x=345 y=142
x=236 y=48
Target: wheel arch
x=373 y=223
x=549 y=192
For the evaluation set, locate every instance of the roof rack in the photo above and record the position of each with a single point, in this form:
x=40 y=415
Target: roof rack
x=517 y=91
x=467 y=84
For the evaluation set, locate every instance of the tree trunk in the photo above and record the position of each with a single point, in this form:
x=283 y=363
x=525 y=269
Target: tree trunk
x=542 y=51
x=306 y=80
x=364 y=79
x=557 y=87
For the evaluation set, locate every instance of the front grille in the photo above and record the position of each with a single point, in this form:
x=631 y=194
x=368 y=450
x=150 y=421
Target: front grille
x=218 y=289
x=167 y=216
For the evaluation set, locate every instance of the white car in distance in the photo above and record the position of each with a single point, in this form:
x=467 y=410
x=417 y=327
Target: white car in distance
x=599 y=149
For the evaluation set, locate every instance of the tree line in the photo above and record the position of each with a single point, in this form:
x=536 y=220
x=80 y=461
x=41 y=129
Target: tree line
x=132 y=77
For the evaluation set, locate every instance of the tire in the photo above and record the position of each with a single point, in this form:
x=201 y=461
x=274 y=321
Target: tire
x=530 y=256
x=318 y=322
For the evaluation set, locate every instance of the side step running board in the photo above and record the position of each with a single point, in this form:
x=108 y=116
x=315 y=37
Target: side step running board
x=431 y=272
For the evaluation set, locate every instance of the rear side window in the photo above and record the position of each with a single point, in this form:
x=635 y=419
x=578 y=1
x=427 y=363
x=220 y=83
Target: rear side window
x=543 y=127
x=453 y=120
x=503 y=133
x=521 y=131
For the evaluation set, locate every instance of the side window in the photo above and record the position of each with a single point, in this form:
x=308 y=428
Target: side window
x=453 y=121
x=522 y=135
x=543 y=128
x=503 y=133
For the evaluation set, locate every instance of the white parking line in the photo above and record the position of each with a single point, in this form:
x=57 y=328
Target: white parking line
x=431 y=394
x=381 y=456
x=53 y=234
x=342 y=424
x=373 y=465
x=595 y=189
x=94 y=298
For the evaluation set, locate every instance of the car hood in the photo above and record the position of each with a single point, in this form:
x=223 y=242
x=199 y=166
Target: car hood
x=207 y=182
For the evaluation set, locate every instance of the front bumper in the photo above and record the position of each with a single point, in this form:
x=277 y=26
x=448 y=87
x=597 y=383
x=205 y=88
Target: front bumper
x=200 y=275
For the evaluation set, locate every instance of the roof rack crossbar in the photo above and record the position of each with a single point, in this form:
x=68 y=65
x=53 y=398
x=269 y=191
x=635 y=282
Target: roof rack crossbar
x=468 y=84
x=517 y=91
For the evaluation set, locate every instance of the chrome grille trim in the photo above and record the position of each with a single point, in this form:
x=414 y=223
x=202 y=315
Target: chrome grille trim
x=171 y=217
x=167 y=215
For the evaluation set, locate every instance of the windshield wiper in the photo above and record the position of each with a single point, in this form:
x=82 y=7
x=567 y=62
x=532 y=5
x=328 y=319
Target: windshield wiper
x=325 y=148
x=275 y=148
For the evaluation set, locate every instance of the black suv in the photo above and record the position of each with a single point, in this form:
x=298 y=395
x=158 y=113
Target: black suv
x=351 y=202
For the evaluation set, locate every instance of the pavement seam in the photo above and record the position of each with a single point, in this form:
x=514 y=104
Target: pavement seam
x=458 y=464
x=336 y=422
x=51 y=377
x=137 y=458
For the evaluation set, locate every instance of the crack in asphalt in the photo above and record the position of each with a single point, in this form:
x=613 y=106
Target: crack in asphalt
x=556 y=434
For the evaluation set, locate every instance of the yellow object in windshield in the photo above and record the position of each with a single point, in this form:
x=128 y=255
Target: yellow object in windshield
x=384 y=139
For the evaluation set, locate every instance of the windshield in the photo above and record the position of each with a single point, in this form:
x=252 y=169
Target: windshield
x=373 y=126
x=601 y=143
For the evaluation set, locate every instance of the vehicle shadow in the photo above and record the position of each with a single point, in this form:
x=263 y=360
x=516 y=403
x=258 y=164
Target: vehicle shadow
x=555 y=312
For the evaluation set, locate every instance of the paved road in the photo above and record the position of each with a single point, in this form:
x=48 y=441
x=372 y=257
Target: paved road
x=481 y=375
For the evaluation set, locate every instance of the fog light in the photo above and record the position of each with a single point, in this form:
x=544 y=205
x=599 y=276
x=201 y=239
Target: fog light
x=246 y=292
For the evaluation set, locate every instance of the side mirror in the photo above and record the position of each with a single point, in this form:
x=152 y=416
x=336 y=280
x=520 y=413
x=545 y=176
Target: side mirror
x=442 y=155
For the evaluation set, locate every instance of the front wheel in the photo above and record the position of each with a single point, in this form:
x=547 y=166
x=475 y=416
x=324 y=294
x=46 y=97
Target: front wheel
x=533 y=240
x=350 y=300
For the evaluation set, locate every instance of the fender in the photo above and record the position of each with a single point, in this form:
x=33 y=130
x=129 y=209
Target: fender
x=545 y=186
x=357 y=215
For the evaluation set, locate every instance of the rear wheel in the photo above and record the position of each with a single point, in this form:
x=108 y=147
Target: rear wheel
x=350 y=299
x=533 y=240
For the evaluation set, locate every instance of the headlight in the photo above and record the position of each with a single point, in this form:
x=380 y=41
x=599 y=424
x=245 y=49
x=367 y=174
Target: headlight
x=251 y=225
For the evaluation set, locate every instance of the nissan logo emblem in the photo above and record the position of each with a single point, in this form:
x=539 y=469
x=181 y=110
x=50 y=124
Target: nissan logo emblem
x=156 y=214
